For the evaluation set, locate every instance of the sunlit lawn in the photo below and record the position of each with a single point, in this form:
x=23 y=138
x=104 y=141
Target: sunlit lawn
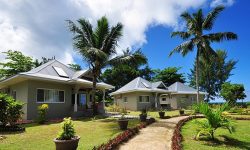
x=155 y=114
x=224 y=140
x=40 y=137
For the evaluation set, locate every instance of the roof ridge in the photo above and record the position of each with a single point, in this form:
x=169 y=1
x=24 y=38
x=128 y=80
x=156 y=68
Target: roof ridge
x=137 y=83
x=42 y=67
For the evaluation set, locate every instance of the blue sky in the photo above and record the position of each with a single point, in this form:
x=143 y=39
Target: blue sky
x=233 y=18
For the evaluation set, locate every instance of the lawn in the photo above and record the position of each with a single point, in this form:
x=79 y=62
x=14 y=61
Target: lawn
x=224 y=140
x=40 y=137
x=155 y=114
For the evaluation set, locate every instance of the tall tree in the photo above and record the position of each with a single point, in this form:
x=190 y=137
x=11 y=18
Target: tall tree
x=213 y=73
x=195 y=36
x=169 y=76
x=16 y=63
x=98 y=46
x=119 y=75
x=75 y=67
x=233 y=92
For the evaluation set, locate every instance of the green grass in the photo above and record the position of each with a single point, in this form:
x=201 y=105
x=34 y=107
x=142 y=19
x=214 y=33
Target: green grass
x=239 y=140
x=40 y=137
x=155 y=114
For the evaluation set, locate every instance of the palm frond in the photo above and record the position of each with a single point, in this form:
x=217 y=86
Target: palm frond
x=111 y=39
x=102 y=30
x=183 y=48
x=73 y=28
x=87 y=30
x=210 y=18
x=93 y=54
x=220 y=36
x=183 y=35
x=129 y=58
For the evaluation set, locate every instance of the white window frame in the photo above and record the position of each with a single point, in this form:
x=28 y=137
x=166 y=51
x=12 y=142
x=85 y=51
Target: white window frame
x=144 y=96
x=44 y=96
x=124 y=99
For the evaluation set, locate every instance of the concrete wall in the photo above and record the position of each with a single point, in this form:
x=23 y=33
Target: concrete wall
x=21 y=94
x=56 y=110
x=133 y=101
x=175 y=101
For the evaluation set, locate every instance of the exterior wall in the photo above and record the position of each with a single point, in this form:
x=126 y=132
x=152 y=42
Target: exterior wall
x=133 y=101
x=149 y=105
x=131 y=98
x=56 y=110
x=185 y=100
x=21 y=94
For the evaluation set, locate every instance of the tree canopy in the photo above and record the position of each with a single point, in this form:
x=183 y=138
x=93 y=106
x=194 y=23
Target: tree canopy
x=232 y=92
x=97 y=46
x=15 y=63
x=213 y=73
x=169 y=75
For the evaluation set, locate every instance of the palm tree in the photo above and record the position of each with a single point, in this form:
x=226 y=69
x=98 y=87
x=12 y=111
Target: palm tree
x=98 y=47
x=194 y=36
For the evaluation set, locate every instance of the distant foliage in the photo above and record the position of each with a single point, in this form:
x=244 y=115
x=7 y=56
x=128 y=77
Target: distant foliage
x=68 y=131
x=10 y=110
x=214 y=71
x=75 y=67
x=42 y=111
x=232 y=92
x=15 y=63
x=169 y=75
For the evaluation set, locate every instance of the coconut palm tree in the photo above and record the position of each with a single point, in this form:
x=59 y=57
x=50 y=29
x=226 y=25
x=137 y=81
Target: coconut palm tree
x=196 y=35
x=98 y=47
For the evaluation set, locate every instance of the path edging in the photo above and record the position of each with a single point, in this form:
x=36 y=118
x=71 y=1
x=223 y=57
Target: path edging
x=177 y=137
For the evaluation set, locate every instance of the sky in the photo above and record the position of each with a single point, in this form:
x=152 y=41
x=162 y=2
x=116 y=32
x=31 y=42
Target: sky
x=38 y=29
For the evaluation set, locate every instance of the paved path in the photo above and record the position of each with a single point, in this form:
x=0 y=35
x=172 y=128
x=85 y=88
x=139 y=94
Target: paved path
x=156 y=136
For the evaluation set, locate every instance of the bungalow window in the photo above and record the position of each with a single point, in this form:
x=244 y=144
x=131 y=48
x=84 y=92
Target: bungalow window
x=144 y=99
x=50 y=96
x=125 y=99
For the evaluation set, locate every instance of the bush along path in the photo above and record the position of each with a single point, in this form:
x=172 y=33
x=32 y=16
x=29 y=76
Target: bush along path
x=156 y=136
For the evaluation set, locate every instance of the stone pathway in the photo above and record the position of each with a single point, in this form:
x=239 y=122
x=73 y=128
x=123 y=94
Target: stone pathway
x=156 y=136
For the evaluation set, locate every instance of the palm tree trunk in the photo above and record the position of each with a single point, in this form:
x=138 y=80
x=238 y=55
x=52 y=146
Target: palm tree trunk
x=197 y=75
x=93 y=94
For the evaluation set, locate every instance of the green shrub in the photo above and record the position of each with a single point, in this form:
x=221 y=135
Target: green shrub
x=10 y=110
x=113 y=108
x=42 y=111
x=214 y=120
x=68 y=131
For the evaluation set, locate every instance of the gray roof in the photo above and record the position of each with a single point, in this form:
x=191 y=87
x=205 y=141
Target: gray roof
x=182 y=88
x=48 y=71
x=140 y=84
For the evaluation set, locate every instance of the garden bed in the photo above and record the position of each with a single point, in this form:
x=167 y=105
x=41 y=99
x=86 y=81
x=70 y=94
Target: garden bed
x=11 y=129
x=177 y=137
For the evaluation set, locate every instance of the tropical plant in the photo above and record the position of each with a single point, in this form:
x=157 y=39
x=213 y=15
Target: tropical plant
x=233 y=92
x=98 y=47
x=195 y=36
x=214 y=120
x=42 y=111
x=68 y=131
x=10 y=110
x=169 y=75
x=213 y=73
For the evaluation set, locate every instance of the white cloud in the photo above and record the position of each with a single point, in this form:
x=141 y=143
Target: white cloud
x=215 y=3
x=38 y=28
